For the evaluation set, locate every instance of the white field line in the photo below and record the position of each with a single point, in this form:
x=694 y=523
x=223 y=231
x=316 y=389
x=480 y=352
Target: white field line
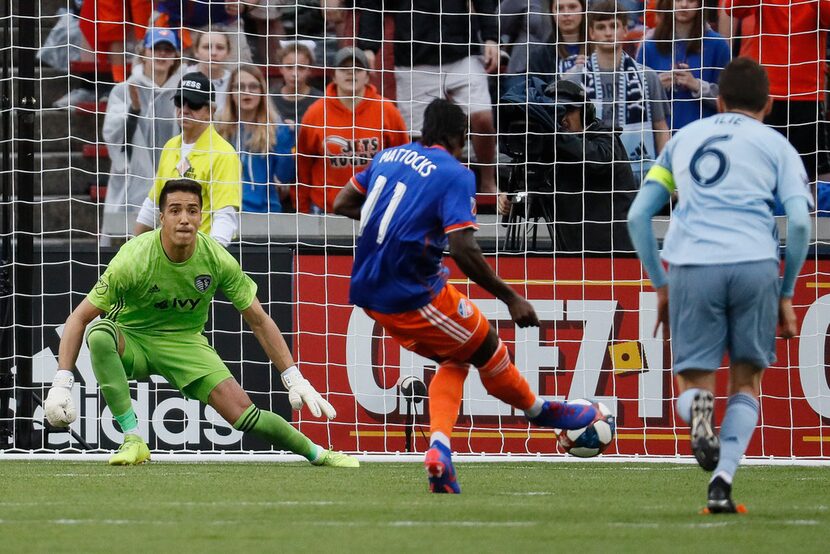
x=327 y=523
x=401 y=457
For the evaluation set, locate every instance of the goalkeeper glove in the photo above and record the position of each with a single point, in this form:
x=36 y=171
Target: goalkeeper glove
x=301 y=392
x=58 y=407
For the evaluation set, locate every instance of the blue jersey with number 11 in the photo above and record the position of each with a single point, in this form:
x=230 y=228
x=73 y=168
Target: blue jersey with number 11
x=415 y=195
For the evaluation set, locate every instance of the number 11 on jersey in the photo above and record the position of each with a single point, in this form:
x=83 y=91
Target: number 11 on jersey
x=372 y=199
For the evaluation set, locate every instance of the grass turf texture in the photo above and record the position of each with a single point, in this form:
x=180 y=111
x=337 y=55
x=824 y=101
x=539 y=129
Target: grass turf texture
x=505 y=507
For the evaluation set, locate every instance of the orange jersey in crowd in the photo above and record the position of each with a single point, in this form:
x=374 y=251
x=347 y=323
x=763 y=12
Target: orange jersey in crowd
x=790 y=46
x=103 y=22
x=334 y=143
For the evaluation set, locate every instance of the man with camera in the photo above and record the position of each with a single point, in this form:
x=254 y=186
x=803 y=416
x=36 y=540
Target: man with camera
x=583 y=183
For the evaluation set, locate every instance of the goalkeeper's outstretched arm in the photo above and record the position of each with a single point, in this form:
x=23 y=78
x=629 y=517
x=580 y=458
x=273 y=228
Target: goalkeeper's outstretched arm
x=273 y=343
x=58 y=407
x=73 y=333
x=268 y=335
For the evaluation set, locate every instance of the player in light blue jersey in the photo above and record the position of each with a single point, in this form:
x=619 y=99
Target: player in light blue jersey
x=723 y=292
x=414 y=201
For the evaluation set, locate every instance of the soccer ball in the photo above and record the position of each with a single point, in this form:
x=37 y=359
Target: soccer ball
x=592 y=440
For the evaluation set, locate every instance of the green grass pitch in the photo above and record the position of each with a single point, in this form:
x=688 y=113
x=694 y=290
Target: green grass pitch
x=385 y=507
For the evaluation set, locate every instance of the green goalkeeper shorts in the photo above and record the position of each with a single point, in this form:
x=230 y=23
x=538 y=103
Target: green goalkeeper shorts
x=187 y=362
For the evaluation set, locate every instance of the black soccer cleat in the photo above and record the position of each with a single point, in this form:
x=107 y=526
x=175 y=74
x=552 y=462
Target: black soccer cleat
x=705 y=443
x=720 y=499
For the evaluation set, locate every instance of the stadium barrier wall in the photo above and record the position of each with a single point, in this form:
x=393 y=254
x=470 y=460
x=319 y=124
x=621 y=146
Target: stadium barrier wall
x=595 y=341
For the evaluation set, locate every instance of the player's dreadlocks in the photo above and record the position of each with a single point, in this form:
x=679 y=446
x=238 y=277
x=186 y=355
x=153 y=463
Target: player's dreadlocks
x=445 y=123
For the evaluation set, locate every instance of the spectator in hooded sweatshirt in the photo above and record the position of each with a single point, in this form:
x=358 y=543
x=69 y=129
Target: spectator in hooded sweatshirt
x=140 y=118
x=251 y=123
x=342 y=132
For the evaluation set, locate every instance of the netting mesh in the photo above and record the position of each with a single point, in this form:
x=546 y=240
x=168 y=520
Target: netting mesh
x=88 y=107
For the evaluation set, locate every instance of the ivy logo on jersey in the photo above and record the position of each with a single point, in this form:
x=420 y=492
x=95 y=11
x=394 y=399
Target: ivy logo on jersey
x=154 y=289
x=181 y=303
x=465 y=308
x=101 y=287
x=202 y=282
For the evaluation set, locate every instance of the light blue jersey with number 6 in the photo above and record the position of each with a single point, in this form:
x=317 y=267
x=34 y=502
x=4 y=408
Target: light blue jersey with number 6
x=727 y=170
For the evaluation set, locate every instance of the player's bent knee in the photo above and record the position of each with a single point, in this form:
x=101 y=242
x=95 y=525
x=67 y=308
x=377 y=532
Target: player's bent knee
x=230 y=400
x=695 y=379
x=487 y=350
x=102 y=337
x=745 y=377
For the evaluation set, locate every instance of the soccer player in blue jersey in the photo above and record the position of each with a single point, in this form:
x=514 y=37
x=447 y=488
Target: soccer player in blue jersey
x=723 y=292
x=412 y=201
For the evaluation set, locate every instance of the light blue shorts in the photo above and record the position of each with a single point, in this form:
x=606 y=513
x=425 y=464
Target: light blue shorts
x=714 y=309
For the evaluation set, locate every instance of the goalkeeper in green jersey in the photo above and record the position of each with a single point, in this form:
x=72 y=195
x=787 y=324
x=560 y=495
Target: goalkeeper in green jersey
x=155 y=295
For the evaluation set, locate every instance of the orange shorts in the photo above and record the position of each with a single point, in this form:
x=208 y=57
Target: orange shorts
x=450 y=327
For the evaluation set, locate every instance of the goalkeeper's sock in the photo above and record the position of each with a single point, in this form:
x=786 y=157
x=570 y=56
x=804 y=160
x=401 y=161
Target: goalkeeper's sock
x=445 y=393
x=684 y=404
x=102 y=340
x=736 y=430
x=502 y=379
x=276 y=431
x=128 y=422
x=318 y=453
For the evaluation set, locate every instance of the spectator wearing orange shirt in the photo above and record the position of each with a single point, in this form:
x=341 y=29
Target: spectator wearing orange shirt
x=789 y=39
x=342 y=132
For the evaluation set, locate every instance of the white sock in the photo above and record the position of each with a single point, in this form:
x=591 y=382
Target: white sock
x=536 y=409
x=133 y=431
x=684 y=404
x=723 y=475
x=319 y=455
x=440 y=437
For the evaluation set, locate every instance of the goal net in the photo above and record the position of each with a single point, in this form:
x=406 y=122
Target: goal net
x=80 y=152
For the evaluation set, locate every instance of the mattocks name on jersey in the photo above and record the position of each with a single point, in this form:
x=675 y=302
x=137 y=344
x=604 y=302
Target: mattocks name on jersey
x=413 y=159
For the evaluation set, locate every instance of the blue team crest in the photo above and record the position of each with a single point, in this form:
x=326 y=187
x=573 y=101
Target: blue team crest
x=465 y=308
x=202 y=282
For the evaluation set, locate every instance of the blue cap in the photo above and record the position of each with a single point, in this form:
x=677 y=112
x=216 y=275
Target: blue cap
x=157 y=35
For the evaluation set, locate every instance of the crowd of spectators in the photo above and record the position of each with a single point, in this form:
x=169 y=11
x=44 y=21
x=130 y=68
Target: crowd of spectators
x=303 y=117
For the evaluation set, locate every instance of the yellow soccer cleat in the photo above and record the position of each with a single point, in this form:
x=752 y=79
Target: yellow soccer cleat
x=331 y=458
x=134 y=451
